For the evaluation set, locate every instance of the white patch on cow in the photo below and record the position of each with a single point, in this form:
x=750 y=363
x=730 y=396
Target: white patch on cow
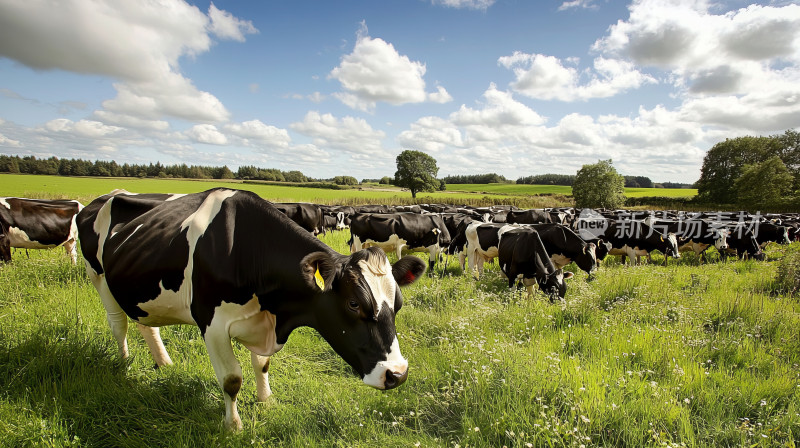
x=393 y=244
x=174 y=196
x=4 y=203
x=248 y=324
x=171 y=307
x=394 y=363
x=377 y=273
x=560 y=260
x=633 y=253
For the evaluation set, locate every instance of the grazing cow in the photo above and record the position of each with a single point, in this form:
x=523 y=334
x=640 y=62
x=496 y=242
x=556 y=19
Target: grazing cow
x=456 y=224
x=307 y=216
x=235 y=266
x=565 y=246
x=398 y=232
x=483 y=241
x=742 y=243
x=531 y=216
x=340 y=213
x=695 y=235
x=522 y=256
x=40 y=224
x=767 y=232
x=635 y=239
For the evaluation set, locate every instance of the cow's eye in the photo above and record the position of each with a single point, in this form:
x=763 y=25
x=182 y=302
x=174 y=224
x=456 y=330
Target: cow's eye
x=353 y=305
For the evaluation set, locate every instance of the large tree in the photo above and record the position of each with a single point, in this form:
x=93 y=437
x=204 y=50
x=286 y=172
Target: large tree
x=763 y=184
x=724 y=162
x=599 y=185
x=416 y=171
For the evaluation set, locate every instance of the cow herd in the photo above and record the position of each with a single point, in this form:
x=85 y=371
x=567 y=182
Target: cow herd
x=240 y=267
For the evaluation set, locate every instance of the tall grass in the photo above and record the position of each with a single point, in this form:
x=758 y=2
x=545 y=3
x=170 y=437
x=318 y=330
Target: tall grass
x=641 y=356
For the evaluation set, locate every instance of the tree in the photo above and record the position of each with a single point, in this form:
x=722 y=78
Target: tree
x=416 y=171
x=385 y=180
x=724 y=162
x=599 y=186
x=763 y=184
x=225 y=172
x=345 y=180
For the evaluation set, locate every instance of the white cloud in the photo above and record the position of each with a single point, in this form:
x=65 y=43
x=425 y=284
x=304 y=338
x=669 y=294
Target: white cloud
x=225 y=26
x=440 y=96
x=136 y=42
x=5 y=141
x=352 y=135
x=206 y=133
x=583 y=4
x=129 y=121
x=256 y=133
x=375 y=72
x=466 y=4
x=545 y=77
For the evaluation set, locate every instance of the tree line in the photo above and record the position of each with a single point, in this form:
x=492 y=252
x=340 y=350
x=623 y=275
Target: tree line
x=490 y=178
x=569 y=180
x=752 y=172
x=101 y=168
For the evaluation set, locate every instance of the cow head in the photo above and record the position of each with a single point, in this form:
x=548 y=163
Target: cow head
x=587 y=259
x=553 y=284
x=670 y=246
x=721 y=239
x=358 y=298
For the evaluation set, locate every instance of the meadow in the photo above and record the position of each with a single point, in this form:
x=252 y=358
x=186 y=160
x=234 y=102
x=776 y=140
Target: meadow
x=85 y=189
x=678 y=355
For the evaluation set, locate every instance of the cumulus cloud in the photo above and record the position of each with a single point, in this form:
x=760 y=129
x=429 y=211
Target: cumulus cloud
x=352 y=135
x=5 y=141
x=225 y=26
x=256 y=133
x=138 y=43
x=574 y=4
x=465 y=4
x=206 y=133
x=375 y=72
x=546 y=77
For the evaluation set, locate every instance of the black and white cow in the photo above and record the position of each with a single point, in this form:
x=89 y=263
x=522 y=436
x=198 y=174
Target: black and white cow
x=695 y=235
x=634 y=239
x=531 y=216
x=238 y=268
x=5 y=245
x=522 y=256
x=483 y=242
x=40 y=224
x=564 y=246
x=767 y=232
x=400 y=232
x=307 y=216
x=742 y=242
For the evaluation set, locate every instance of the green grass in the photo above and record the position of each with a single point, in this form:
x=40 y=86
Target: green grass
x=85 y=189
x=514 y=189
x=642 y=356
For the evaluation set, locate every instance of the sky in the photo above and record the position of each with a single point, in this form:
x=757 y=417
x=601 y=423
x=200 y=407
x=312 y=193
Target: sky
x=514 y=87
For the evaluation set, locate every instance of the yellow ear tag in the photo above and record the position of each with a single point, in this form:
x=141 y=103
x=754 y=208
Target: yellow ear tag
x=662 y=239
x=320 y=281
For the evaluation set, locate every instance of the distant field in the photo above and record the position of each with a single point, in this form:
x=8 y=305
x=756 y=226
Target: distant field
x=84 y=189
x=560 y=189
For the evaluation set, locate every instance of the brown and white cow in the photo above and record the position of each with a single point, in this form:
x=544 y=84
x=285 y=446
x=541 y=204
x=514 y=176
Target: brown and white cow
x=235 y=266
x=40 y=224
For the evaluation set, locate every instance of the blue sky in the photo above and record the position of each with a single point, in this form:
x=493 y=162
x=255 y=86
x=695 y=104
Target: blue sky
x=516 y=87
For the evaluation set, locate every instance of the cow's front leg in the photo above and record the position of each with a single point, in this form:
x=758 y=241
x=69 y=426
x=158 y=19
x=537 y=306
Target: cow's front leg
x=152 y=336
x=261 y=370
x=228 y=371
x=433 y=252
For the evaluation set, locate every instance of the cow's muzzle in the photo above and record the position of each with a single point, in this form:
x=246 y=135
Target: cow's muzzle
x=394 y=379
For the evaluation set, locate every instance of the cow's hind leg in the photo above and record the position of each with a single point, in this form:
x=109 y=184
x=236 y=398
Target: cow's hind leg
x=228 y=371
x=261 y=370
x=117 y=319
x=152 y=335
x=71 y=247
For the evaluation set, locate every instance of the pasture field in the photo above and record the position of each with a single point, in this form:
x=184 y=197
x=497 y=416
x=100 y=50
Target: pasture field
x=682 y=355
x=514 y=189
x=84 y=189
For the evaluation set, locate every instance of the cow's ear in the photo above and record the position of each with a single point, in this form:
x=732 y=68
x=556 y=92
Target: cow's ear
x=568 y=275
x=407 y=270
x=318 y=270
